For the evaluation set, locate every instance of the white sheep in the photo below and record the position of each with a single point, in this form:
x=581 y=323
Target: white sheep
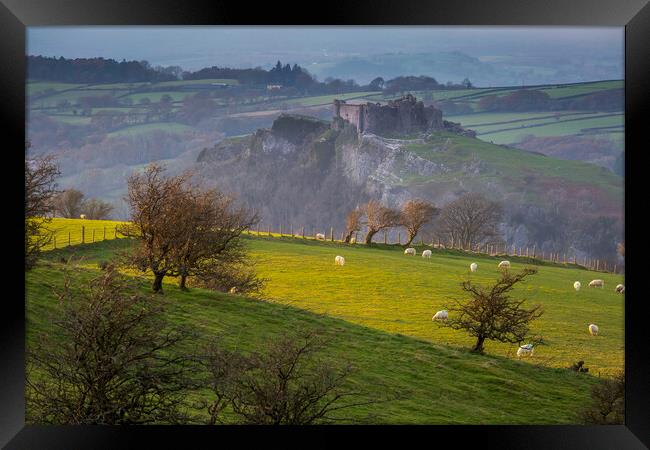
x=593 y=329
x=426 y=254
x=353 y=240
x=320 y=236
x=441 y=315
x=82 y=216
x=620 y=288
x=577 y=285
x=525 y=350
x=410 y=251
x=597 y=283
x=504 y=265
x=234 y=290
x=339 y=261
x=473 y=267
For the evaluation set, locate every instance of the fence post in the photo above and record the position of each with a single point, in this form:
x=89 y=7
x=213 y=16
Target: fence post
x=83 y=234
x=115 y=236
x=421 y=241
x=54 y=241
x=269 y=230
x=342 y=236
x=93 y=235
x=258 y=228
x=303 y=232
x=385 y=237
x=399 y=238
x=291 y=229
x=280 y=230
x=332 y=234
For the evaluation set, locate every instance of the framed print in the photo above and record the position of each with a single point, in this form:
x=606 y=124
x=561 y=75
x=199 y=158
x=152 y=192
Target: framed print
x=381 y=218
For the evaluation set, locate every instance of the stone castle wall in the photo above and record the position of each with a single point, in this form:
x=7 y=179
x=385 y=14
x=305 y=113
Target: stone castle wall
x=402 y=116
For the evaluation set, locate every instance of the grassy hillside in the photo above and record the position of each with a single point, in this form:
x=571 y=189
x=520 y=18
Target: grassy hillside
x=436 y=383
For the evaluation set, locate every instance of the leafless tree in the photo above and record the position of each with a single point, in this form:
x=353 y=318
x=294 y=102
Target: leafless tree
x=109 y=358
x=491 y=314
x=414 y=215
x=212 y=227
x=379 y=217
x=159 y=213
x=470 y=219
x=40 y=188
x=96 y=209
x=607 y=405
x=69 y=203
x=285 y=384
x=352 y=224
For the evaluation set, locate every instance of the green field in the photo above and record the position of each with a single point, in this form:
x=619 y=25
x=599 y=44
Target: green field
x=377 y=309
x=69 y=231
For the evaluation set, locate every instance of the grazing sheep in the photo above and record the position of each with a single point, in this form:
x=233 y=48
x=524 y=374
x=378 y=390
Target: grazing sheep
x=353 y=240
x=82 y=216
x=577 y=285
x=473 y=267
x=234 y=290
x=597 y=283
x=525 y=350
x=410 y=251
x=441 y=315
x=426 y=254
x=593 y=329
x=339 y=261
x=620 y=288
x=320 y=236
x=504 y=265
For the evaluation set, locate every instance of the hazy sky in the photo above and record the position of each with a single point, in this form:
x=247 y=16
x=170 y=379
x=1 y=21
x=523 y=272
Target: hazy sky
x=199 y=46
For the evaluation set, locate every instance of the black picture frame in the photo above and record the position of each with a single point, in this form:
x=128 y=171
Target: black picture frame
x=15 y=15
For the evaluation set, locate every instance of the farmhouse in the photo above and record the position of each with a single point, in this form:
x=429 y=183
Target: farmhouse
x=402 y=116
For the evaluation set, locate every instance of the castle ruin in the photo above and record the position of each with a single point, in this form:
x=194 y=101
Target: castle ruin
x=405 y=115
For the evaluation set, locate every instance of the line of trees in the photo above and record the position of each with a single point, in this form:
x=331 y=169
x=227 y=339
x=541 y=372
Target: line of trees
x=468 y=220
x=71 y=204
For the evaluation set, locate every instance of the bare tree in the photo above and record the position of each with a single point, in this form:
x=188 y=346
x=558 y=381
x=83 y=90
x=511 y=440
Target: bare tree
x=352 y=224
x=491 y=314
x=69 y=203
x=110 y=358
x=286 y=384
x=414 y=215
x=470 y=219
x=159 y=212
x=96 y=209
x=210 y=242
x=607 y=405
x=379 y=217
x=40 y=188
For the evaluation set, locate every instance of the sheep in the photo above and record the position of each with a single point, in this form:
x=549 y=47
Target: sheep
x=339 y=261
x=234 y=290
x=525 y=350
x=593 y=329
x=353 y=240
x=597 y=283
x=504 y=265
x=320 y=236
x=410 y=251
x=82 y=216
x=620 y=288
x=440 y=315
x=577 y=285
x=426 y=254
x=473 y=267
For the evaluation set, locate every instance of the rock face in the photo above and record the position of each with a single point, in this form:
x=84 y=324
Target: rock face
x=402 y=116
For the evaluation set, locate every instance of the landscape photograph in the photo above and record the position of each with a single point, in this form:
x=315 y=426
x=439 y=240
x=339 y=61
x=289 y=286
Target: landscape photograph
x=322 y=225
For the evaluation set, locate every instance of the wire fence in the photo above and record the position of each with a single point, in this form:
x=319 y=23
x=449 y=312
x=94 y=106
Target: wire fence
x=86 y=234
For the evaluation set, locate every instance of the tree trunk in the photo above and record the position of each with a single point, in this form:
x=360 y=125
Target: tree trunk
x=478 y=347
x=348 y=236
x=410 y=239
x=369 y=236
x=157 y=282
x=181 y=284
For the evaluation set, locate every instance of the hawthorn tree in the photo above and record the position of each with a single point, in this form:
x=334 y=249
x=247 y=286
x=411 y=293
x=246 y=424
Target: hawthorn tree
x=414 y=215
x=69 y=203
x=40 y=188
x=491 y=314
x=352 y=224
x=159 y=212
x=379 y=217
x=96 y=209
